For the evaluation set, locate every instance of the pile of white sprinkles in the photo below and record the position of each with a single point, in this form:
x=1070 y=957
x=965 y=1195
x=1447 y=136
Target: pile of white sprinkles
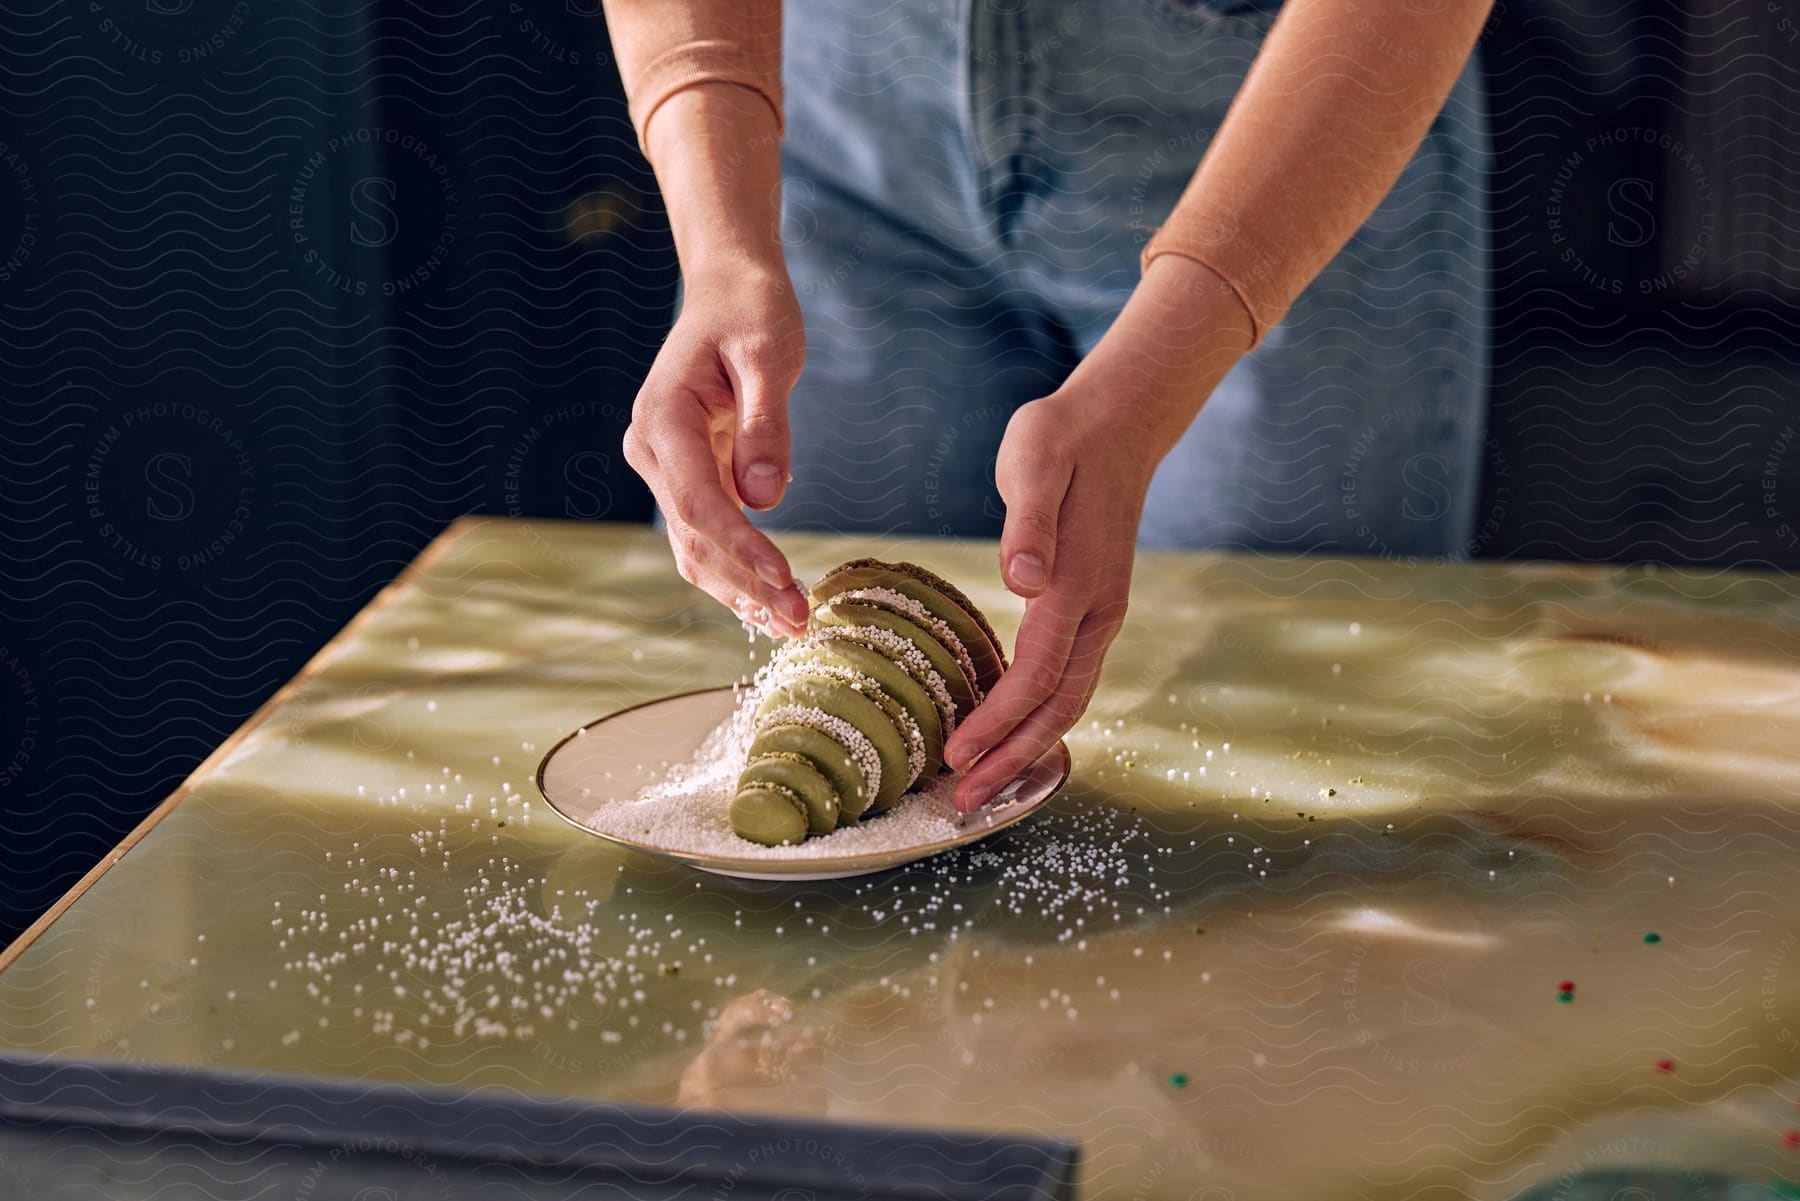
x=689 y=810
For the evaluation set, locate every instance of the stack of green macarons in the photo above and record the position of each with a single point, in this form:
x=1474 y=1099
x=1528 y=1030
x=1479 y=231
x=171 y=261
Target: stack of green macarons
x=855 y=713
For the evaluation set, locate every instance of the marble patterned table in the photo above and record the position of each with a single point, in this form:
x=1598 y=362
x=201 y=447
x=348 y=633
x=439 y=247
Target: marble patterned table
x=1339 y=833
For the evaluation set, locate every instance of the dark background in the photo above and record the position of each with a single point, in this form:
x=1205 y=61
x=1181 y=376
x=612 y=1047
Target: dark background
x=254 y=355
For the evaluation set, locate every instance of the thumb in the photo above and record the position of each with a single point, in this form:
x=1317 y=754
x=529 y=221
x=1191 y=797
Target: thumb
x=759 y=457
x=1033 y=485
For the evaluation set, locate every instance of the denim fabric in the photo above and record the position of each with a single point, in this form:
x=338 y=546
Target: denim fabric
x=967 y=185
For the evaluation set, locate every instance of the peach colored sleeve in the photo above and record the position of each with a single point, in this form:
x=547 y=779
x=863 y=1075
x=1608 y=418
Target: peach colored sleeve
x=663 y=46
x=1331 y=111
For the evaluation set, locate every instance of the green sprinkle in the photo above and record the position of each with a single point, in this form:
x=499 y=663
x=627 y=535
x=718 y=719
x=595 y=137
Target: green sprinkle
x=1178 y=1079
x=1565 y=997
x=1653 y=937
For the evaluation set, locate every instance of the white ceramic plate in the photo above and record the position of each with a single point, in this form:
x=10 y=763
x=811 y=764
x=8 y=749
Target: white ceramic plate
x=617 y=756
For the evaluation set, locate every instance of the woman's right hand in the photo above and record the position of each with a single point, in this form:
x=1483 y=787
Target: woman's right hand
x=709 y=434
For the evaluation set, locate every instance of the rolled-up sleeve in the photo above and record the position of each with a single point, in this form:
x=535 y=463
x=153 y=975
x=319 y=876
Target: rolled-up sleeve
x=1330 y=112
x=664 y=46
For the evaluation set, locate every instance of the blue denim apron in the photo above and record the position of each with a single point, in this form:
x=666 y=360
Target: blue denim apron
x=967 y=185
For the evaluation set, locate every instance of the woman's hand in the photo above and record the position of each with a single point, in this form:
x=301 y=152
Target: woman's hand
x=1073 y=469
x=709 y=435
x=709 y=429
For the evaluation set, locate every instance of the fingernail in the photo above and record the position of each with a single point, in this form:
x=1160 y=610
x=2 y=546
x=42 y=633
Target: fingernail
x=792 y=606
x=974 y=800
x=762 y=484
x=772 y=574
x=1028 y=571
x=957 y=755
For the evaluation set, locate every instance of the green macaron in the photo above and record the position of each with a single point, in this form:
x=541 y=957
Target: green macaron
x=829 y=757
x=942 y=660
x=868 y=713
x=769 y=814
x=942 y=599
x=894 y=680
x=796 y=773
x=902 y=653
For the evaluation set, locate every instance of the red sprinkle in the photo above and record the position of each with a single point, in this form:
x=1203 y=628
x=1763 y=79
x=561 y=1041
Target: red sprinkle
x=1791 y=1140
x=1567 y=986
x=1665 y=1066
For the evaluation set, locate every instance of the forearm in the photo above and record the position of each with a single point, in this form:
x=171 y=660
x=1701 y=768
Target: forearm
x=716 y=152
x=1179 y=333
x=703 y=81
x=1332 y=110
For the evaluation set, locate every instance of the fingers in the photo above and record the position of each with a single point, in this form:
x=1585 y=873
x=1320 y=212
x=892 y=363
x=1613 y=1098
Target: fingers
x=761 y=378
x=1032 y=473
x=716 y=548
x=1038 y=732
x=674 y=455
x=778 y=612
x=1040 y=654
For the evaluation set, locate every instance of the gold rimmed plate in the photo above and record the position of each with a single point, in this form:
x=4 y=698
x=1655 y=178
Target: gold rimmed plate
x=611 y=761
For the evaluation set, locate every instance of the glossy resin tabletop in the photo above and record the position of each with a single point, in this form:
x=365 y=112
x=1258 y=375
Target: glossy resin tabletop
x=1339 y=834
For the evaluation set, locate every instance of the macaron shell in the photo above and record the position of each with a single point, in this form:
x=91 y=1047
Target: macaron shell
x=989 y=665
x=829 y=757
x=903 y=725
x=842 y=701
x=916 y=665
x=897 y=683
x=870 y=689
x=939 y=598
x=768 y=814
x=796 y=774
x=857 y=613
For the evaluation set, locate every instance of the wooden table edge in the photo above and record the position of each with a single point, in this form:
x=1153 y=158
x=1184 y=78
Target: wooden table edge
x=433 y=551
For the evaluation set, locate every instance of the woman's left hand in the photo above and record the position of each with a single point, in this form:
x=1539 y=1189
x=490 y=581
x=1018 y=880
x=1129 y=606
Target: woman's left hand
x=1073 y=469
